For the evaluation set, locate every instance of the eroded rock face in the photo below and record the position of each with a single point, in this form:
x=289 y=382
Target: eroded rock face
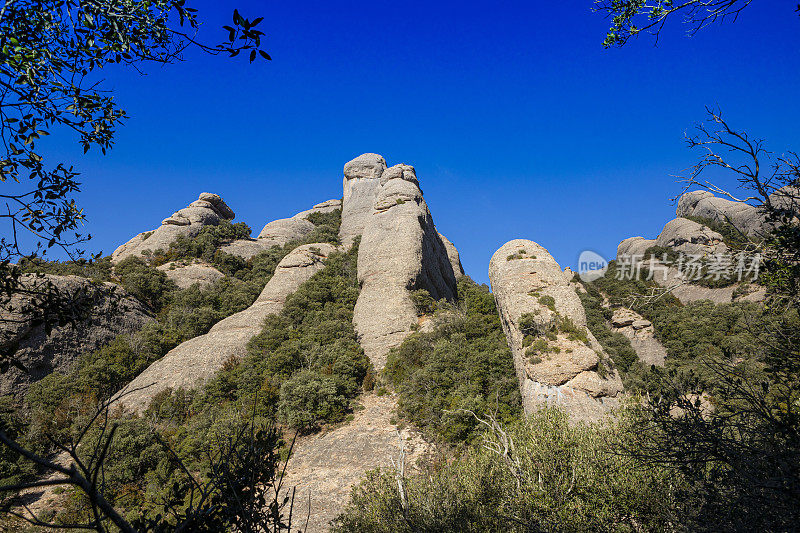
x=684 y=235
x=680 y=234
x=452 y=254
x=186 y=275
x=641 y=334
x=557 y=364
x=208 y=209
x=279 y=232
x=362 y=181
x=197 y=359
x=746 y=218
x=400 y=251
x=100 y=312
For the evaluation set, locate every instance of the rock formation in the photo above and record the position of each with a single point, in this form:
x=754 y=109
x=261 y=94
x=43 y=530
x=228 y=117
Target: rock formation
x=280 y=232
x=558 y=361
x=208 y=209
x=746 y=218
x=360 y=188
x=185 y=275
x=680 y=234
x=400 y=251
x=197 y=359
x=453 y=256
x=641 y=334
x=97 y=314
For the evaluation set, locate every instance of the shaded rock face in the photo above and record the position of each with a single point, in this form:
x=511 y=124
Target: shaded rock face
x=208 y=209
x=99 y=313
x=400 y=251
x=746 y=218
x=453 y=256
x=186 y=275
x=198 y=359
x=567 y=370
x=362 y=181
x=641 y=334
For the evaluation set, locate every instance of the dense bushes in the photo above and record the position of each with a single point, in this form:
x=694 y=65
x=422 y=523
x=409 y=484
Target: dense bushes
x=306 y=364
x=554 y=476
x=183 y=314
x=463 y=363
x=99 y=270
x=615 y=344
x=691 y=334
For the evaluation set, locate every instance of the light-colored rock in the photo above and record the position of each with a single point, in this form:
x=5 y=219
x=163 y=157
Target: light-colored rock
x=453 y=255
x=325 y=466
x=360 y=187
x=209 y=209
x=198 y=359
x=521 y=272
x=99 y=312
x=279 y=232
x=687 y=236
x=186 y=275
x=641 y=334
x=400 y=251
x=688 y=201
x=322 y=207
x=634 y=247
x=746 y=218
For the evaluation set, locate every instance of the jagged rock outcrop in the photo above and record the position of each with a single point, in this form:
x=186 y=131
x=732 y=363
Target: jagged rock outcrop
x=360 y=187
x=187 y=274
x=680 y=234
x=208 y=209
x=684 y=235
x=453 y=256
x=400 y=251
x=641 y=334
x=96 y=314
x=199 y=358
x=558 y=361
x=746 y=218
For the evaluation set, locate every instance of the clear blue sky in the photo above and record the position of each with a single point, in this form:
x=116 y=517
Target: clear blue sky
x=519 y=123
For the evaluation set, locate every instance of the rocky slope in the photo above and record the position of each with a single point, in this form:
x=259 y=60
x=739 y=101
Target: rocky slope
x=96 y=314
x=197 y=359
x=558 y=361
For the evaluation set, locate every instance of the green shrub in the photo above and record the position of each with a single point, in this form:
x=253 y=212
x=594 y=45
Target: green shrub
x=308 y=397
x=98 y=270
x=464 y=363
x=615 y=344
x=313 y=332
x=424 y=302
x=556 y=476
x=548 y=301
x=143 y=281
